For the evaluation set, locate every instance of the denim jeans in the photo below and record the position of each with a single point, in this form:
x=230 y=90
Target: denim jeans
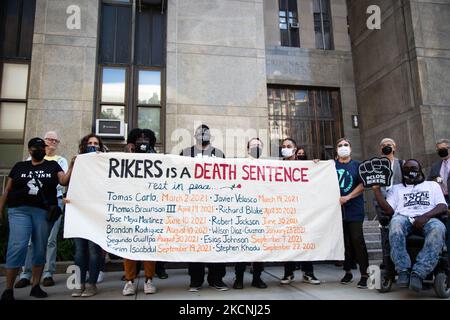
x=88 y=256
x=427 y=259
x=50 y=264
x=24 y=223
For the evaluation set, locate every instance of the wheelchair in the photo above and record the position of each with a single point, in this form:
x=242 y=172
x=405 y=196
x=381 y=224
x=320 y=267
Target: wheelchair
x=440 y=276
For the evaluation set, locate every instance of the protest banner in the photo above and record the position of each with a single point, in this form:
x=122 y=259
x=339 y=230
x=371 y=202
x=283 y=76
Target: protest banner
x=173 y=208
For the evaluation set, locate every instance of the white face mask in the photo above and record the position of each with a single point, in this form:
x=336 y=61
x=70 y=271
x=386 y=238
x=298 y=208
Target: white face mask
x=287 y=152
x=344 y=152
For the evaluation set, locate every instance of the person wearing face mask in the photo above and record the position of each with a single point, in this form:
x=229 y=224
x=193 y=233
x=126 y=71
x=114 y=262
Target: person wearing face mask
x=289 y=153
x=52 y=141
x=202 y=145
x=352 y=204
x=139 y=141
x=440 y=172
x=216 y=271
x=254 y=151
x=28 y=184
x=388 y=148
x=88 y=254
x=414 y=204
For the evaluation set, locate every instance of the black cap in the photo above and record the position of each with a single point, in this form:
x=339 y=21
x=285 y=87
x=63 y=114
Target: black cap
x=36 y=142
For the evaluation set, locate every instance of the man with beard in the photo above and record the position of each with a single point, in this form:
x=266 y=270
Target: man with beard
x=414 y=204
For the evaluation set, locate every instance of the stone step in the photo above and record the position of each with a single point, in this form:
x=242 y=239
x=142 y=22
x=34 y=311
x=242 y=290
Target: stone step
x=375 y=254
x=372 y=237
x=373 y=244
x=371 y=223
x=371 y=229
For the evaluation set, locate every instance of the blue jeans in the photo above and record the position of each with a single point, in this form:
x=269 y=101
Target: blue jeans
x=427 y=259
x=50 y=264
x=447 y=198
x=24 y=223
x=88 y=256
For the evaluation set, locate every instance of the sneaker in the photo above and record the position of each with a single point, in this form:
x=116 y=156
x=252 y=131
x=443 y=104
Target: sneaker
x=219 y=286
x=403 y=279
x=8 y=295
x=310 y=278
x=129 y=289
x=91 y=290
x=238 y=283
x=37 y=292
x=415 y=283
x=194 y=289
x=259 y=283
x=149 y=287
x=348 y=278
x=101 y=277
x=48 y=282
x=22 y=283
x=78 y=292
x=287 y=279
x=362 y=284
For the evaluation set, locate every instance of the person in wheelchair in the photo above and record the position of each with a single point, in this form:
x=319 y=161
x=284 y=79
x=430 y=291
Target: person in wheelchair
x=415 y=205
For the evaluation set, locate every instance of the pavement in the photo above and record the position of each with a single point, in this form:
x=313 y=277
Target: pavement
x=175 y=287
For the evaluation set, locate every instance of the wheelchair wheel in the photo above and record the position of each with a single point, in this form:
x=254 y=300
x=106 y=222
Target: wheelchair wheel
x=385 y=282
x=441 y=285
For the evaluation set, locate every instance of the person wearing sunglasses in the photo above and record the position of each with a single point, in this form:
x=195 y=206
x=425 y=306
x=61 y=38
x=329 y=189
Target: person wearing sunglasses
x=352 y=204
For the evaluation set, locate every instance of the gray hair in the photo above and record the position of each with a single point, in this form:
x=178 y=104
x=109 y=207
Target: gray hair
x=441 y=141
x=386 y=140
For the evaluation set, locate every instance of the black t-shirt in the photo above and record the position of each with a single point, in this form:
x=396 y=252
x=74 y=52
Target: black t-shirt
x=210 y=151
x=25 y=191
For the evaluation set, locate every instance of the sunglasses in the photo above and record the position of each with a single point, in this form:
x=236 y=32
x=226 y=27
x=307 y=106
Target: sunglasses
x=343 y=145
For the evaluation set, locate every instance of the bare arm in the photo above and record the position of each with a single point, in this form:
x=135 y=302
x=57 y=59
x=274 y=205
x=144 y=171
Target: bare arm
x=4 y=197
x=382 y=201
x=356 y=192
x=420 y=221
x=64 y=178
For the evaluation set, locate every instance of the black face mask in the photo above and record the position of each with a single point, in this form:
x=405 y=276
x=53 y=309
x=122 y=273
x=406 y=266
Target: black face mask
x=38 y=155
x=255 y=152
x=302 y=157
x=143 y=147
x=412 y=176
x=387 y=150
x=443 y=153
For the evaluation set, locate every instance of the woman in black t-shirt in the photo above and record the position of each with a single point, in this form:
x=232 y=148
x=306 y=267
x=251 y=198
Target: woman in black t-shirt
x=30 y=185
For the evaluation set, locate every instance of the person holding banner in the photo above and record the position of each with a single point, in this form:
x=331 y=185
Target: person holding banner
x=254 y=151
x=216 y=271
x=30 y=190
x=289 y=153
x=139 y=141
x=352 y=203
x=88 y=254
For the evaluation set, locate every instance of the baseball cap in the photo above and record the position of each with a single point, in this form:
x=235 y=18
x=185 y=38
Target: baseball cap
x=36 y=142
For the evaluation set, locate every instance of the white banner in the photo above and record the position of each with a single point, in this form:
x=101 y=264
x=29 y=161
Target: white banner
x=171 y=208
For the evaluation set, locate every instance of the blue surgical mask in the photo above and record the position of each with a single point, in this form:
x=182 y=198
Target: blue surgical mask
x=90 y=149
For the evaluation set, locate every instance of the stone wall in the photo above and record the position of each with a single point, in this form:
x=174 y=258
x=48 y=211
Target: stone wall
x=215 y=73
x=62 y=75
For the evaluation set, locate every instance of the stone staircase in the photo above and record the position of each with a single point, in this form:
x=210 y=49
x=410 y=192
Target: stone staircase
x=373 y=241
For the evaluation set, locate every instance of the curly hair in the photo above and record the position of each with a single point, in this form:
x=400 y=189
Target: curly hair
x=82 y=147
x=136 y=133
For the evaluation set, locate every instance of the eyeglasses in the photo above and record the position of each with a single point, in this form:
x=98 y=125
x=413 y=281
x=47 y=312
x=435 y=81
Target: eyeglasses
x=343 y=145
x=52 y=140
